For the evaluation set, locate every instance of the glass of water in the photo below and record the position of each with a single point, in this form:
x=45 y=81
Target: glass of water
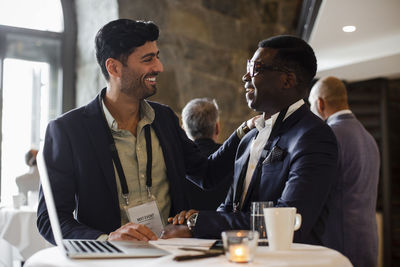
x=257 y=222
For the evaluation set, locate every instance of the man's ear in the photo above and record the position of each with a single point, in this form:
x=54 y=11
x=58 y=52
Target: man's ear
x=217 y=128
x=289 y=80
x=321 y=106
x=216 y=132
x=113 y=67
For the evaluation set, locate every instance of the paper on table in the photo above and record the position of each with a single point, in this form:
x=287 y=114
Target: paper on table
x=184 y=242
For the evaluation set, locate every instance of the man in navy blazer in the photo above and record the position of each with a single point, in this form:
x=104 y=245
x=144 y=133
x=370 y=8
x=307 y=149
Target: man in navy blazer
x=358 y=168
x=290 y=159
x=86 y=148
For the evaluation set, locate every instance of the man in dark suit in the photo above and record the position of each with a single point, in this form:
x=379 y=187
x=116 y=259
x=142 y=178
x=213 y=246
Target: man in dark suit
x=290 y=159
x=200 y=120
x=109 y=157
x=358 y=168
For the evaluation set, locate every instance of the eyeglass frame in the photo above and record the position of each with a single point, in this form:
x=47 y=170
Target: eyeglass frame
x=253 y=70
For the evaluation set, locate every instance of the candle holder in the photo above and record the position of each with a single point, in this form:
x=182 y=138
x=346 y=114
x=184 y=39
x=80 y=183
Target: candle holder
x=240 y=245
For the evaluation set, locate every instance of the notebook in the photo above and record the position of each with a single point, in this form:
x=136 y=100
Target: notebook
x=84 y=248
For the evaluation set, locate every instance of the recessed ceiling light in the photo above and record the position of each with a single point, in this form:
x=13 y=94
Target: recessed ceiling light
x=349 y=28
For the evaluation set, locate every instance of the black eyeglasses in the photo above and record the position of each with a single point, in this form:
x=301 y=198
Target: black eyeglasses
x=254 y=67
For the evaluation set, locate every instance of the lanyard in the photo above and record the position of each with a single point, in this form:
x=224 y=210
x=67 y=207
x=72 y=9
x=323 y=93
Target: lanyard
x=117 y=161
x=274 y=132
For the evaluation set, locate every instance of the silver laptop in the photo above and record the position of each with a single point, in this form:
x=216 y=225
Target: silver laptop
x=84 y=248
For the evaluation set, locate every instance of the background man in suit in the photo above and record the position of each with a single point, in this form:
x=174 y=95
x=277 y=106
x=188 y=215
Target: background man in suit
x=120 y=150
x=200 y=119
x=290 y=158
x=358 y=169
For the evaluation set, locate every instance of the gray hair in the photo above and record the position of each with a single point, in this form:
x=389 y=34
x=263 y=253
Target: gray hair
x=199 y=117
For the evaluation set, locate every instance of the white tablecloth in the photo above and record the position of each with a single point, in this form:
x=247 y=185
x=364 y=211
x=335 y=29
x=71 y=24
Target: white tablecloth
x=19 y=237
x=300 y=255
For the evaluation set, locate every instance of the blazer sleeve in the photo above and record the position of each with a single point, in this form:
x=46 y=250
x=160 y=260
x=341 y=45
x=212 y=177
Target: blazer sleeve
x=219 y=165
x=227 y=205
x=312 y=173
x=210 y=224
x=59 y=160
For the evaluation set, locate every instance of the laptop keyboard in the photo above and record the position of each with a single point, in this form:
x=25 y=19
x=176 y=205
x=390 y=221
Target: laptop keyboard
x=91 y=246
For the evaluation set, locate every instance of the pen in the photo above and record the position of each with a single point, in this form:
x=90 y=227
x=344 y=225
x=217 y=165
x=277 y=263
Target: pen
x=199 y=256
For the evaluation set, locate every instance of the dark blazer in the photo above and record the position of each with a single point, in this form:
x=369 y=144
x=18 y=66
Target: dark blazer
x=207 y=200
x=302 y=177
x=82 y=175
x=357 y=189
x=207 y=146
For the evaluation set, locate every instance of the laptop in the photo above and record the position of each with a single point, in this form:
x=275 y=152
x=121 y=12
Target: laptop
x=86 y=248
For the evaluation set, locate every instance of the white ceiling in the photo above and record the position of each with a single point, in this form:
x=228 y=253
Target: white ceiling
x=372 y=51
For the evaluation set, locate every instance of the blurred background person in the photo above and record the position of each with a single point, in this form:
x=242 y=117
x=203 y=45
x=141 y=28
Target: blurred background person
x=200 y=119
x=359 y=168
x=30 y=180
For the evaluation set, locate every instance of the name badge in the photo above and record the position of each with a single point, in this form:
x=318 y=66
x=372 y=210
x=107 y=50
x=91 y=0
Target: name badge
x=147 y=214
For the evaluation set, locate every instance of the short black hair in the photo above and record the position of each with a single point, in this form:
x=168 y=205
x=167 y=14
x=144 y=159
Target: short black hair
x=119 y=38
x=294 y=53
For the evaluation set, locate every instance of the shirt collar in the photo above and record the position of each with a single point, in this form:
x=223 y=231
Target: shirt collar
x=145 y=110
x=260 y=123
x=338 y=113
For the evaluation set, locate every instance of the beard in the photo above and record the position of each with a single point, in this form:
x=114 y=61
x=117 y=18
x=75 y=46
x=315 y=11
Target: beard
x=136 y=86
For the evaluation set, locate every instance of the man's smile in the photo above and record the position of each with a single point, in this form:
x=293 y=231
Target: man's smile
x=151 y=79
x=249 y=92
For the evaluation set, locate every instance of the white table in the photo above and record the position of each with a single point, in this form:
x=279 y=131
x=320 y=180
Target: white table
x=300 y=255
x=19 y=237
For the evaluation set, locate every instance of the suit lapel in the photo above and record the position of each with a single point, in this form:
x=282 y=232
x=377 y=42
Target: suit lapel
x=93 y=116
x=241 y=164
x=254 y=182
x=292 y=120
x=161 y=126
x=287 y=124
x=161 y=139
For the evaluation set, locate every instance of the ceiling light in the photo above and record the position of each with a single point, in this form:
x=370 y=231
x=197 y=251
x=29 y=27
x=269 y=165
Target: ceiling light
x=349 y=28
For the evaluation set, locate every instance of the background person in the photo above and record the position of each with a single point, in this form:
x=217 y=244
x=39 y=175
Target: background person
x=200 y=120
x=29 y=181
x=358 y=168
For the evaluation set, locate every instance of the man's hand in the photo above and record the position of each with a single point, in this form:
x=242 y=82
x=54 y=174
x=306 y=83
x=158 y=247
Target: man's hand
x=132 y=231
x=171 y=231
x=251 y=123
x=181 y=217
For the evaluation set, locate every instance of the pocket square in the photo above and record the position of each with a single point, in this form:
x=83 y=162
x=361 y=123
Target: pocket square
x=276 y=154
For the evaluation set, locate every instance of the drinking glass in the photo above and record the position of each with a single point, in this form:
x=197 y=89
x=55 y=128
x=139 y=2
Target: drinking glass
x=257 y=220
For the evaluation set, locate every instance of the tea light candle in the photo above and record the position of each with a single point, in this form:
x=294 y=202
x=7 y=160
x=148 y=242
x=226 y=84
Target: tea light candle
x=239 y=253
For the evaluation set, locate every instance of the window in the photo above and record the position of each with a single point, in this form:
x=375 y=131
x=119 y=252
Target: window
x=45 y=15
x=31 y=80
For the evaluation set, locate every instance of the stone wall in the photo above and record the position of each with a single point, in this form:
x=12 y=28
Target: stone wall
x=204 y=45
x=91 y=15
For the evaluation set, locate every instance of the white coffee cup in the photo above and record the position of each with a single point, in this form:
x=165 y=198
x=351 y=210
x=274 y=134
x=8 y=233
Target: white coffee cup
x=281 y=222
x=18 y=200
